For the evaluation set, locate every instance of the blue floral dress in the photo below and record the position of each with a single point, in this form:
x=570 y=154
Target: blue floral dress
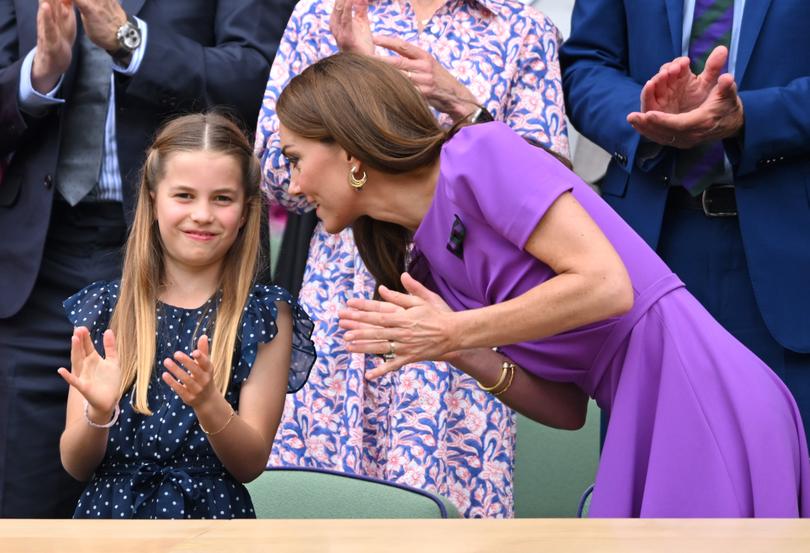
x=427 y=425
x=162 y=466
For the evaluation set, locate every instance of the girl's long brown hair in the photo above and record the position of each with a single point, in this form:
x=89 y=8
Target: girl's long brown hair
x=374 y=113
x=134 y=320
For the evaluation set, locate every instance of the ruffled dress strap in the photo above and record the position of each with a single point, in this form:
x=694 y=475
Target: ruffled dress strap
x=259 y=327
x=92 y=307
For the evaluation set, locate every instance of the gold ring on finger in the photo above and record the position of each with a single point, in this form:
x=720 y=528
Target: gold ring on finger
x=392 y=352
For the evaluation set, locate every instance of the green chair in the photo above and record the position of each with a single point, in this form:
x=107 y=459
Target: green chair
x=318 y=493
x=585 y=503
x=552 y=467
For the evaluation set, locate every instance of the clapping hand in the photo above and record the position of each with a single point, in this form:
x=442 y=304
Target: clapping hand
x=675 y=89
x=417 y=326
x=441 y=90
x=97 y=378
x=56 y=33
x=681 y=109
x=101 y=20
x=191 y=377
x=350 y=26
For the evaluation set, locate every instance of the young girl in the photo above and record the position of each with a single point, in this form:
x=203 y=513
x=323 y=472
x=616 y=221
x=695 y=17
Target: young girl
x=184 y=403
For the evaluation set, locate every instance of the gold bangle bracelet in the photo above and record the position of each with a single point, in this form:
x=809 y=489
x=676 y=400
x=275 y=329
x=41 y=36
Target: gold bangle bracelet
x=512 y=367
x=227 y=422
x=499 y=383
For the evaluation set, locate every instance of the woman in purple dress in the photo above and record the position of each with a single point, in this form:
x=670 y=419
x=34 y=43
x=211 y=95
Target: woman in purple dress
x=522 y=255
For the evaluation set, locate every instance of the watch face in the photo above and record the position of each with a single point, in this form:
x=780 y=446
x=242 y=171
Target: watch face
x=131 y=39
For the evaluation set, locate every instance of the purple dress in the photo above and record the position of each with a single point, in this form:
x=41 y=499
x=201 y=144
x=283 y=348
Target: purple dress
x=699 y=426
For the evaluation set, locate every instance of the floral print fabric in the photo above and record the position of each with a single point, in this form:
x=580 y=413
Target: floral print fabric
x=427 y=425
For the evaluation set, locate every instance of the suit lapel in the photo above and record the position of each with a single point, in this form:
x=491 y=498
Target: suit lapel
x=753 y=18
x=132 y=7
x=675 y=16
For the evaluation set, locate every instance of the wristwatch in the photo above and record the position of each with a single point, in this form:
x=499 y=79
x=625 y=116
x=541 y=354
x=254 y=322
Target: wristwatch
x=129 y=39
x=480 y=115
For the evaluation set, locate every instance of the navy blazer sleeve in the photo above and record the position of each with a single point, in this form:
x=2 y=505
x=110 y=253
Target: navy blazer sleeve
x=599 y=92
x=12 y=122
x=231 y=67
x=777 y=124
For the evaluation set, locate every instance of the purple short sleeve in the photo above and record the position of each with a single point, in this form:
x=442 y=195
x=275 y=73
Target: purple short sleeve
x=497 y=175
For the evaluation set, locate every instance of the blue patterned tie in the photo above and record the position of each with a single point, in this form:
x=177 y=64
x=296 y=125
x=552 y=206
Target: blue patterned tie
x=703 y=165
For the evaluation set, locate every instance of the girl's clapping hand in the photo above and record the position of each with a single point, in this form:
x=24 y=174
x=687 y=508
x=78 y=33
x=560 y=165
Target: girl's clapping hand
x=191 y=377
x=97 y=378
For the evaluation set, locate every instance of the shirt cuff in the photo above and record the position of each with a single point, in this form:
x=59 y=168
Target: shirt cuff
x=648 y=154
x=137 y=55
x=32 y=102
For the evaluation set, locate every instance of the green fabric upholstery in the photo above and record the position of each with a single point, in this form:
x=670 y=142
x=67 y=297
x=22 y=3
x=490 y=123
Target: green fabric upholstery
x=554 y=467
x=315 y=493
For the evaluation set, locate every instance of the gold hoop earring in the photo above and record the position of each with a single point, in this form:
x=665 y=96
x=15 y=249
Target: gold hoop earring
x=356 y=183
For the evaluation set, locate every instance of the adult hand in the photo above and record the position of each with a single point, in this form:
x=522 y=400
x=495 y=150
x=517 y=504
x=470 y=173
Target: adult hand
x=419 y=325
x=719 y=116
x=675 y=89
x=350 y=27
x=101 y=20
x=434 y=82
x=56 y=33
x=97 y=378
x=192 y=377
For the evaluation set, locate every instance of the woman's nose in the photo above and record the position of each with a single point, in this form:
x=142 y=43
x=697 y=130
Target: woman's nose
x=294 y=188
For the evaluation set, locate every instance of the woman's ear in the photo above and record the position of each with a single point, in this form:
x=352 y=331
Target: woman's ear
x=353 y=161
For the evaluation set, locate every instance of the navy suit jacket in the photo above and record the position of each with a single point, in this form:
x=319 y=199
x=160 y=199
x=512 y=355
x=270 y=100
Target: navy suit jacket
x=200 y=54
x=617 y=45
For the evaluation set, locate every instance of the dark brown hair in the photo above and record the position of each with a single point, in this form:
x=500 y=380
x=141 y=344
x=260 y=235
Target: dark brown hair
x=374 y=113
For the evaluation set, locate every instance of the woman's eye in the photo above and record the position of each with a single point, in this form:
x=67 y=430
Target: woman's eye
x=293 y=161
x=223 y=199
x=183 y=195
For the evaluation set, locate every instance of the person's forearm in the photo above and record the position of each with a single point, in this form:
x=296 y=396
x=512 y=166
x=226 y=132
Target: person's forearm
x=562 y=303
x=555 y=404
x=82 y=447
x=239 y=446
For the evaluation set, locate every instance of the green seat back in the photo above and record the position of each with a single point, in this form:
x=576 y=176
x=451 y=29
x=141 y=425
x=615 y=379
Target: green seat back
x=317 y=493
x=554 y=467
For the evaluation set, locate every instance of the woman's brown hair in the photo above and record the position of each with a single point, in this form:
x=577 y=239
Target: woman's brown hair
x=374 y=113
x=133 y=319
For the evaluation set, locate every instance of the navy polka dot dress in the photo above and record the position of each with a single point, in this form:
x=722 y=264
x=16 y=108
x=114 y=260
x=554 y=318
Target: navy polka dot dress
x=162 y=466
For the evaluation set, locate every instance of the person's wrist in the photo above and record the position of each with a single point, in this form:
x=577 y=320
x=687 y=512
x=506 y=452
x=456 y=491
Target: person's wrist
x=43 y=76
x=100 y=416
x=117 y=21
x=208 y=403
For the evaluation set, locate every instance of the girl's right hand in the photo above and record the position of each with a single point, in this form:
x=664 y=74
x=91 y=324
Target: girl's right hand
x=350 y=27
x=97 y=378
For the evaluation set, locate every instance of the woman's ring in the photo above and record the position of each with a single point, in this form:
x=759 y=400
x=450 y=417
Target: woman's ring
x=392 y=352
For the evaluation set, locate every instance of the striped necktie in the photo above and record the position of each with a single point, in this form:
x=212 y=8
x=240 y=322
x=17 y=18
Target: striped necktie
x=704 y=164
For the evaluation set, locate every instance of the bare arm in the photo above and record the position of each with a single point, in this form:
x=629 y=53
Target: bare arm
x=591 y=284
x=241 y=441
x=555 y=404
x=97 y=381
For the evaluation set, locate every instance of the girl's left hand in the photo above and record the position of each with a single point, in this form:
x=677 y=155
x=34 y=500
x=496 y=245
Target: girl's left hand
x=192 y=378
x=418 y=327
x=441 y=90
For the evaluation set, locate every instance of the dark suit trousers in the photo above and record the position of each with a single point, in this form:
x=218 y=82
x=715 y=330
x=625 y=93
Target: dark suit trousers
x=84 y=244
x=707 y=254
